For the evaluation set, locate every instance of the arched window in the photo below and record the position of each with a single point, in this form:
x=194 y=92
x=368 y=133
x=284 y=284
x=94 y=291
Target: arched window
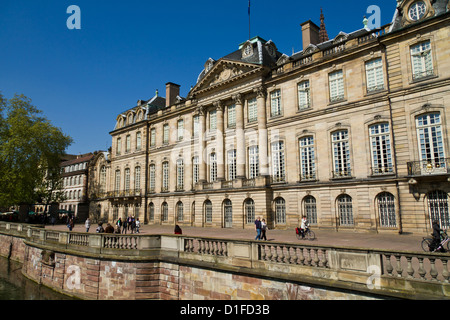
x=310 y=209
x=228 y=213
x=438 y=208
x=137 y=179
x=165 y=176
x=280 y=211
x=345 y=210
x=386 y=209
x=249 y=206
x=151 y=211
x=208 y=211
x=180 y=211
x=164 y=212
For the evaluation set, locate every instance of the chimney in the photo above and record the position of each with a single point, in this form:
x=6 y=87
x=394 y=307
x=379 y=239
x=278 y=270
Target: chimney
x=310 y=33
x=172 y=91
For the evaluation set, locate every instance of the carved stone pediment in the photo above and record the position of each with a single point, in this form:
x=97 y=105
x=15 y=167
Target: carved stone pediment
x=224 y=72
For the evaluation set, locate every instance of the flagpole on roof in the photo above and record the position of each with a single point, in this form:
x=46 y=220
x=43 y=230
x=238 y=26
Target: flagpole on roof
x=249 y=20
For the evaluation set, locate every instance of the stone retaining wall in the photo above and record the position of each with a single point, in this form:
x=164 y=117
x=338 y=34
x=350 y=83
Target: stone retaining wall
x=166 y=267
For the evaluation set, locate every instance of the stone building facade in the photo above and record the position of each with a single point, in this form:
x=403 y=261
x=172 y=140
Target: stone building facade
x=351 y=132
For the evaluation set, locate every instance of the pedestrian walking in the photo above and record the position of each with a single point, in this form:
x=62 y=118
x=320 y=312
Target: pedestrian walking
x=100 y=228
x=138 y=225
x=87 y=224
x=70 y=224
x=109 y=228
x=263 y=229
x=125 y=225
x=133 y=225
x=258 y=228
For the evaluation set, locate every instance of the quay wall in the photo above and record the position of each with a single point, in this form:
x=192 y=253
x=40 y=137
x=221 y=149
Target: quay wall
x=172 y=267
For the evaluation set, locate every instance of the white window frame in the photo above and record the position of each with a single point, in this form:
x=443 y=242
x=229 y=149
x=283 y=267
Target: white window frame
x=253 y=162
x=278 y=162
x=275 y=103
x=307 y=158
x=231 y=156
x=252 y=110
x=165 y=176
x=380 y=147
x=374 y=75
x=337 y=89
x=304 y=95
x=422 y=60
x=341 y=154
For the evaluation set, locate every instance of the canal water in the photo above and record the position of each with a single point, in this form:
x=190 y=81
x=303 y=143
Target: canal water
x=15 y=286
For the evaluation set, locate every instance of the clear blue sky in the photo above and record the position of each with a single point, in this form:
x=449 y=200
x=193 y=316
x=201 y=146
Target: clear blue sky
x=125 y=50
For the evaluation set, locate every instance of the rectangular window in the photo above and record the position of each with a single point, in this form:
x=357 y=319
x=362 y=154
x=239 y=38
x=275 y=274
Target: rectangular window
x=128 y=144
x=431 y=144
x=341 y=154
x=252 y=110
x=231 y=165
x=180 y=174
x=212 y=167
x=117 y=181
x=166 y=134
x=304 y=95
x=137 y=178
x=278 y=163
x=307 y=159
x=152 y=178
x=422 y=61
x=152 y=137
x=180 y=130
x=380 y=143
x=119 y=146
x=275 y=103
x=231 y=116
x=374 y=75
x=336 y=80
x=213 y=120
x=195 y=170
x=196 y=125
x=127 y=179
x=253 y=162
x=138 y=141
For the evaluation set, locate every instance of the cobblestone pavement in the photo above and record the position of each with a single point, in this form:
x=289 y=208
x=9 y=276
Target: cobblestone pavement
x=406 y=242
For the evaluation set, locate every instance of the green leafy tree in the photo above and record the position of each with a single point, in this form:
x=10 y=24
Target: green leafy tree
x=30 y=148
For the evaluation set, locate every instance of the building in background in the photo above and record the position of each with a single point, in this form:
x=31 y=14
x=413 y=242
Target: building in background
x=352 y=132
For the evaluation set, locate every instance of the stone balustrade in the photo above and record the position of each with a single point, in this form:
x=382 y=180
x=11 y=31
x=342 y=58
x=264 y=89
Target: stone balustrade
x=378 y=272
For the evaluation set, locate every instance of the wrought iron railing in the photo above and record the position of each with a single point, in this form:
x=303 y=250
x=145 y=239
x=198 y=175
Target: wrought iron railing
x=429 y=167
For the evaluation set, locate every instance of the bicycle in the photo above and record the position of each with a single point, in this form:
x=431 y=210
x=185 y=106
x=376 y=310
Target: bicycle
x=444 y=245
x=308 y=234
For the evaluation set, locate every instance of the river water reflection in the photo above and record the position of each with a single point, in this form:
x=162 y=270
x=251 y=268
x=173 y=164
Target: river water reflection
x=14 y=286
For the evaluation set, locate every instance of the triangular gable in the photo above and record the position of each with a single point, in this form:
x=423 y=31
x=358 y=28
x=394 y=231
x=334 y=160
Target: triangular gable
x=224 y=71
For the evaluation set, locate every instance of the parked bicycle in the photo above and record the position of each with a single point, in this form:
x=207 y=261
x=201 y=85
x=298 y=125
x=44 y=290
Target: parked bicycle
x=308 y=234
x=429 y=246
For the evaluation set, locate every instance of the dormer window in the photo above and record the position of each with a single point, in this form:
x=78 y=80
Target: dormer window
x=417 y=10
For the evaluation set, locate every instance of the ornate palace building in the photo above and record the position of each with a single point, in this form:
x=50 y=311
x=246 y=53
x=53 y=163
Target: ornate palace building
x=352 y=132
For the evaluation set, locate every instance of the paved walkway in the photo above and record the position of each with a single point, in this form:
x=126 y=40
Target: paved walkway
x=406 y=242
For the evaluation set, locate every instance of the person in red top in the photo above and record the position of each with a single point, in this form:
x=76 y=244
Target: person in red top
x=178 y=230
